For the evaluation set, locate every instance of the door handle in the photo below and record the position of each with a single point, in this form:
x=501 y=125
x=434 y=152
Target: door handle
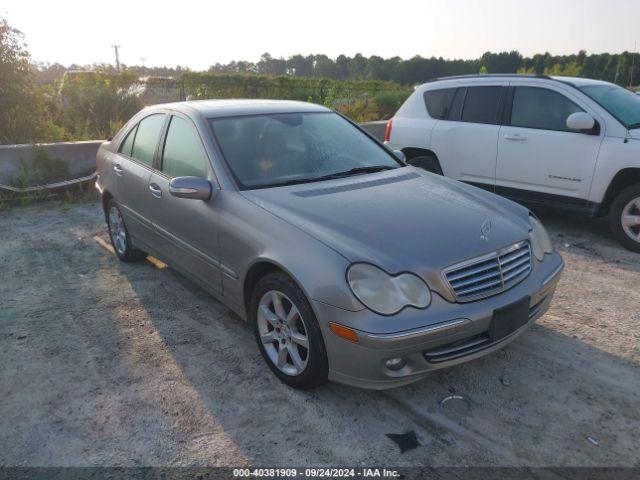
x=118 y=169
x=155 y=190
x=516 y=138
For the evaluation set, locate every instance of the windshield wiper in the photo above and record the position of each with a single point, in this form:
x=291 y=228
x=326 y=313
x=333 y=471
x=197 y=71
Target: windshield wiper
x=353 y=171
x=633 y=126
x=356 y=171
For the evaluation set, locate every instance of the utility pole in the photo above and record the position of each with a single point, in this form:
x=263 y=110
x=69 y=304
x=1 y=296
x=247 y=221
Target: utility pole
x=116 y=49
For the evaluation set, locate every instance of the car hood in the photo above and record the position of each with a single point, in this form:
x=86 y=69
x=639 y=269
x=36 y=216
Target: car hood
x=400 y=220
x=635 y=133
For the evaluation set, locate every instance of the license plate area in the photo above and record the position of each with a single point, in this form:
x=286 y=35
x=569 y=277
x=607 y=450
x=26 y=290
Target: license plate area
x=509 y=318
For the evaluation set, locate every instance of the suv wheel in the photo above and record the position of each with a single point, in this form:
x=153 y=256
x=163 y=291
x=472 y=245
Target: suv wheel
x=426 y=162
x=119 y=235
x=624 y=218
x=288 y=333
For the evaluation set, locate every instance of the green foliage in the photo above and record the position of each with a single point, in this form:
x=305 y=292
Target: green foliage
x=23 y=114
x=96 y=104
x=571 y=69
x=359 y=99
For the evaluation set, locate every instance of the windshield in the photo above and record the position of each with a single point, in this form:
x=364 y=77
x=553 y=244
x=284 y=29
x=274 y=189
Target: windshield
x=289 y=148
x=618 y=101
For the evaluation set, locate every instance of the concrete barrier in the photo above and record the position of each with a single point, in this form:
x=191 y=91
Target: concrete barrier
x=80 y=158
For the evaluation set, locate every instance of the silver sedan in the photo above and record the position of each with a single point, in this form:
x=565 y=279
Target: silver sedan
x=350 y=265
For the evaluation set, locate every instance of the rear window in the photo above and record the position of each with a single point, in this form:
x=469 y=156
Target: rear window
x=146 y=140
x=127 y=145
x=482 y=104
x=439 y=101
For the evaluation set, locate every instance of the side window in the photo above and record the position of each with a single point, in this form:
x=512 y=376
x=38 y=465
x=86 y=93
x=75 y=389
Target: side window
x=541 y=108
x=127 y=145
x=482 y=104
x=438 y=102
x=144 y=145
x=183 y=155
x=455 y=112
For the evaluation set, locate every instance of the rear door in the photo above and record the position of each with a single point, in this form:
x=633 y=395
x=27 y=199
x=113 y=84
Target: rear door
x=132 y=172
x=466 y=140
x=187 y=229
x=538 y=155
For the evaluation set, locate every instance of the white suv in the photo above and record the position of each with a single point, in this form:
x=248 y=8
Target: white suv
x=570 y=143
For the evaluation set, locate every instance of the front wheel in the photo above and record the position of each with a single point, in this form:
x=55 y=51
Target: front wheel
x=288 y=333
x=624 y=218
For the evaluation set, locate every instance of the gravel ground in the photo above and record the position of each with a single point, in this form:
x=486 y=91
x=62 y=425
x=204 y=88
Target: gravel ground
x=111 y=364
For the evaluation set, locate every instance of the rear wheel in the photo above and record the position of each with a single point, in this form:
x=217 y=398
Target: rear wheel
x=287 y=332
x=426 y=162
x=119 y=235
x=624 y=218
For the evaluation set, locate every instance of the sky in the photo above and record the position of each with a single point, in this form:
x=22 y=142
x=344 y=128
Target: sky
x=197 y=34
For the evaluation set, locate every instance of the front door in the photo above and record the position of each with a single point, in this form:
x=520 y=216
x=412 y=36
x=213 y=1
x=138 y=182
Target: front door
x=538 y=155
x=187 y=229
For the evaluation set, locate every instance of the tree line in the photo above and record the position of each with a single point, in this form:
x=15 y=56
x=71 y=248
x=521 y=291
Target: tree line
x=621 y=68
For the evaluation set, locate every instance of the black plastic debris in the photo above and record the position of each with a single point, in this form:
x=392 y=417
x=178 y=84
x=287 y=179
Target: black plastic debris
x=406 y=441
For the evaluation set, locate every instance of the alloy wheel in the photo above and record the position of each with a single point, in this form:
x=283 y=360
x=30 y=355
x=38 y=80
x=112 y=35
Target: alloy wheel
x=630 y=219
x=117 y=230
x=283 y=333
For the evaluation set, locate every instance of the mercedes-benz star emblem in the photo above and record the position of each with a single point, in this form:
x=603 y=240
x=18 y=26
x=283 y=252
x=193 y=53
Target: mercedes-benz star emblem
x=485 y=228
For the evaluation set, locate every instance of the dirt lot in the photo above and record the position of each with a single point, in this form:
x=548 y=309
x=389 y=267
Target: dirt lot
x=112 y=364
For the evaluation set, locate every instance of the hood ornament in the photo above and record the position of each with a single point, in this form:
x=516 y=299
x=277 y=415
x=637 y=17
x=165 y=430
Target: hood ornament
x=485 y=228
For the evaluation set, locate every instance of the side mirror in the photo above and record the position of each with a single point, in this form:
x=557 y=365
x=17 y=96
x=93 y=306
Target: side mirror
x=400 y=154
x=581 y=121
x=191 y=187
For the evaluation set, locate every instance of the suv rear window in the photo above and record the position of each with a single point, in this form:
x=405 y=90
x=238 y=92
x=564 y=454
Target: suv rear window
x=438 y=102
x=482 y=104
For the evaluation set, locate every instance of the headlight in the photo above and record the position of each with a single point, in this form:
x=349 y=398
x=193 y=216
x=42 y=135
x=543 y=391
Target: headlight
x=540 y=241
x=384 y=293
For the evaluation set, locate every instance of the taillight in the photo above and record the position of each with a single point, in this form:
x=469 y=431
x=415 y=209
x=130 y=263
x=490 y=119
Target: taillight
x=387 y=132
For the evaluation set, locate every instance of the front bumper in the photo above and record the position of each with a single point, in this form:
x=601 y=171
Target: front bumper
x=445 y=334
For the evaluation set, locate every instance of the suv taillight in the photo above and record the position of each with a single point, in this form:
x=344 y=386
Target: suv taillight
x=387 y=132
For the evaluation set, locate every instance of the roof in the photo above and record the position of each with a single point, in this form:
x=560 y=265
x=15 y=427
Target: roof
x=575 y=81
x=237 y=107
x=490 y=75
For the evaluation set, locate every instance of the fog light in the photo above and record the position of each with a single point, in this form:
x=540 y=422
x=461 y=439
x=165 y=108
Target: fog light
x=395 y=363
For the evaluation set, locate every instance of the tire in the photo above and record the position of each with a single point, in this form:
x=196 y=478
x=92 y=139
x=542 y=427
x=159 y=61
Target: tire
x=281 y=342
x=626 y=204
x=119 y=235
x=426 y=162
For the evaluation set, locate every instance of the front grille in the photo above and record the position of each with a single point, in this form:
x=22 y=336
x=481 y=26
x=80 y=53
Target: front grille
x=489 y=274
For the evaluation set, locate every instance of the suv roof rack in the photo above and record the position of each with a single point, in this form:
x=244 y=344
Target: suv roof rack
x=493 y=75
